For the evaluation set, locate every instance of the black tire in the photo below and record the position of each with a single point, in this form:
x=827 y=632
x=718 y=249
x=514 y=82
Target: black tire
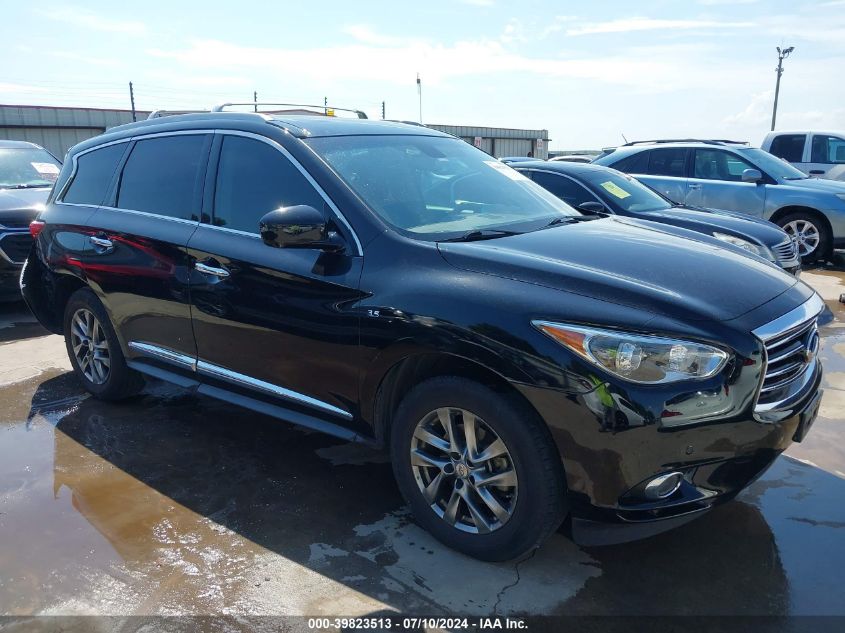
x=822 y=249
x=540 y=494
x=119 y=381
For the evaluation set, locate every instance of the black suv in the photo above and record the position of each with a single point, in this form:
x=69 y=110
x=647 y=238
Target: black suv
x=387 y=283
x=27 y=172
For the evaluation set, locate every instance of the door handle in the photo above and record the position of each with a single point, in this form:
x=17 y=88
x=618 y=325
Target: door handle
x=694 y=186
x=205 y=269
x=102 y=243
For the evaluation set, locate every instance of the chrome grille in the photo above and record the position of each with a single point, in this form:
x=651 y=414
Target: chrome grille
x=791 y=350
x=786 y=251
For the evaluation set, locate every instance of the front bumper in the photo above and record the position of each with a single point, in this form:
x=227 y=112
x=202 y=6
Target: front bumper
x=606 y=464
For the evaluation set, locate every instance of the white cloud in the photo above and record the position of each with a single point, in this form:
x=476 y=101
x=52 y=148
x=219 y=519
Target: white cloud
x=627 y=25
x=77 y=16
x=366 y=35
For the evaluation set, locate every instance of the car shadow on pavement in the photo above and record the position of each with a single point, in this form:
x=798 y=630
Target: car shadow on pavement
x=162 y=474
x=17 y=323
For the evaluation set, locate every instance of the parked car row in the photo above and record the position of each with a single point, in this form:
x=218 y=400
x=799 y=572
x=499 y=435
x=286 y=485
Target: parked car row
x=736 y=177
x=625 y=366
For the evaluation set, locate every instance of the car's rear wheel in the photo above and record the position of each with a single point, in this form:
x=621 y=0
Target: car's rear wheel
x=94 y=350
x=478 y=469
x=810 y=234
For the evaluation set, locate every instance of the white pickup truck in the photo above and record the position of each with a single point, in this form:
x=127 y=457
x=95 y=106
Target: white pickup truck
x=817 y=154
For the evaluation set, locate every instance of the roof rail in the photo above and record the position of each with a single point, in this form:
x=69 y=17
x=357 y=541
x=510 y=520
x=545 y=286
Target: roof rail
x=157 y=114
x=709 y=141
x=220 y=107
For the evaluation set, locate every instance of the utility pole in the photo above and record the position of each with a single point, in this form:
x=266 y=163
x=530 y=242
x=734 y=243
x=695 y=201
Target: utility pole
x=255 y=100
x=326 y=106
x=132 y=101
x=782 y=54
x=419 y=92
x=382 y=111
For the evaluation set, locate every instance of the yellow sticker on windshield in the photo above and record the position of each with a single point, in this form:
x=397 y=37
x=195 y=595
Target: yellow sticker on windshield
x=616 y=190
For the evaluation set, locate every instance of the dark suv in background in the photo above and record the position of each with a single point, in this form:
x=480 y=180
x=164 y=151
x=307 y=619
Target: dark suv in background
x=602 y=189
x=391 y=284
x=27 y=172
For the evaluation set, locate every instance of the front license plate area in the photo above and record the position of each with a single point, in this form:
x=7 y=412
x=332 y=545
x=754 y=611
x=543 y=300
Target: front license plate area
x=807 y=417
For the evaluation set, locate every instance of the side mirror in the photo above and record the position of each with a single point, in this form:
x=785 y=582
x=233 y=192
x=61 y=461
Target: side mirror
x=752 y=175
x=300 y=226
x=592 y=207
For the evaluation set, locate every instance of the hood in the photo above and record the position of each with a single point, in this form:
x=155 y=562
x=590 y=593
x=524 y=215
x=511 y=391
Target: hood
x=630 y=262
x=18 y=207
x=707 y=221
x=815 y=184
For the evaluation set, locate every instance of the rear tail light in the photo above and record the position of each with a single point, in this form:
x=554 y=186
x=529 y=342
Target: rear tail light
x=35 y=227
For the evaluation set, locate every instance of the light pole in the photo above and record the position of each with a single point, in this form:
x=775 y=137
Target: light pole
x=782 y=54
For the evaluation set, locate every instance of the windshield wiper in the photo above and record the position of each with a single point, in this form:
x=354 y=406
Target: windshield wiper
x=481 y=234
x=23 y=186
x=572 y=219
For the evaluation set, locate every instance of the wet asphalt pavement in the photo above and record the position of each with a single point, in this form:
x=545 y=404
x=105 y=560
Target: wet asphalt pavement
x=178 y=504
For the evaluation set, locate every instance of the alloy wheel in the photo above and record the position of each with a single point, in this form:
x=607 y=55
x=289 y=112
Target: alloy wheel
x=90 y=346
x=464 y=470
x=805 y=234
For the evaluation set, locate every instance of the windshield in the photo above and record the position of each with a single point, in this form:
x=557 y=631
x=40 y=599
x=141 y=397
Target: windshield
x=27 y=167
x=776 y=167
x=436 y=188
x=624 y=193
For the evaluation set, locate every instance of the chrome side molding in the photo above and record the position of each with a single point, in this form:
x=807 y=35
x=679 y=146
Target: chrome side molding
x=215 y=371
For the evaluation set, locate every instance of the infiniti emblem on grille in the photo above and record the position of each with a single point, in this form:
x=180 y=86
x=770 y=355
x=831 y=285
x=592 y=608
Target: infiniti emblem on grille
x=812 y=348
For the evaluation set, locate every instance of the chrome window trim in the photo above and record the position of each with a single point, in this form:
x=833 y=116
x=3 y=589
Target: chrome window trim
x=164 y=354
x=216 y=371
x=209 y=369
x=792 y=319
x=206 y=225
x=308 y=177
x=148 y=214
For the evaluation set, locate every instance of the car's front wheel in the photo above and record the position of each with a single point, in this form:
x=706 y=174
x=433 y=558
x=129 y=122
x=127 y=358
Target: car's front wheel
x=810 y=234
x=478 y=469
x=94 y=350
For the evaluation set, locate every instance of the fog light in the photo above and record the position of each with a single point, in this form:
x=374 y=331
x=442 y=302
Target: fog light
x=663 y=486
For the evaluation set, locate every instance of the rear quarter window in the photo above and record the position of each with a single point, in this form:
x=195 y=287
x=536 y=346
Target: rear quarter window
x=94 y=172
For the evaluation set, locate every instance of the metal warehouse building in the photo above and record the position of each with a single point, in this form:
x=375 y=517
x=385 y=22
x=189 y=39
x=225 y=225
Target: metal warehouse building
x=56 y=128
x=499 y=141
x=59 y=128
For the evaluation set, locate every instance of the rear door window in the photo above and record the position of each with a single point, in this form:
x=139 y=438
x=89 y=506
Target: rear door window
x=668 y=162
x=789 y=147
x=164 y=176
x=564 y=188
x=827 y=150
x=94 y=172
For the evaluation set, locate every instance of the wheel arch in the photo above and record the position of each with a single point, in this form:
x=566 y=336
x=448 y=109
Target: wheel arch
x=785 y=211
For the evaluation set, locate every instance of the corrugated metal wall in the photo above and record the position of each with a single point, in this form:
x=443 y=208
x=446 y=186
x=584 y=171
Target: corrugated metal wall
x=499 y=142
x=58 y=129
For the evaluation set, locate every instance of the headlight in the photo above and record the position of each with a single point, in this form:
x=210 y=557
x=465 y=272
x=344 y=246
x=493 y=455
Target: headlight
x=636 y=357
x=841 y=196
x=738 y=241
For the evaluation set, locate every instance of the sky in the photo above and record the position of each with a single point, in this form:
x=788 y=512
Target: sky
x=588 y=72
